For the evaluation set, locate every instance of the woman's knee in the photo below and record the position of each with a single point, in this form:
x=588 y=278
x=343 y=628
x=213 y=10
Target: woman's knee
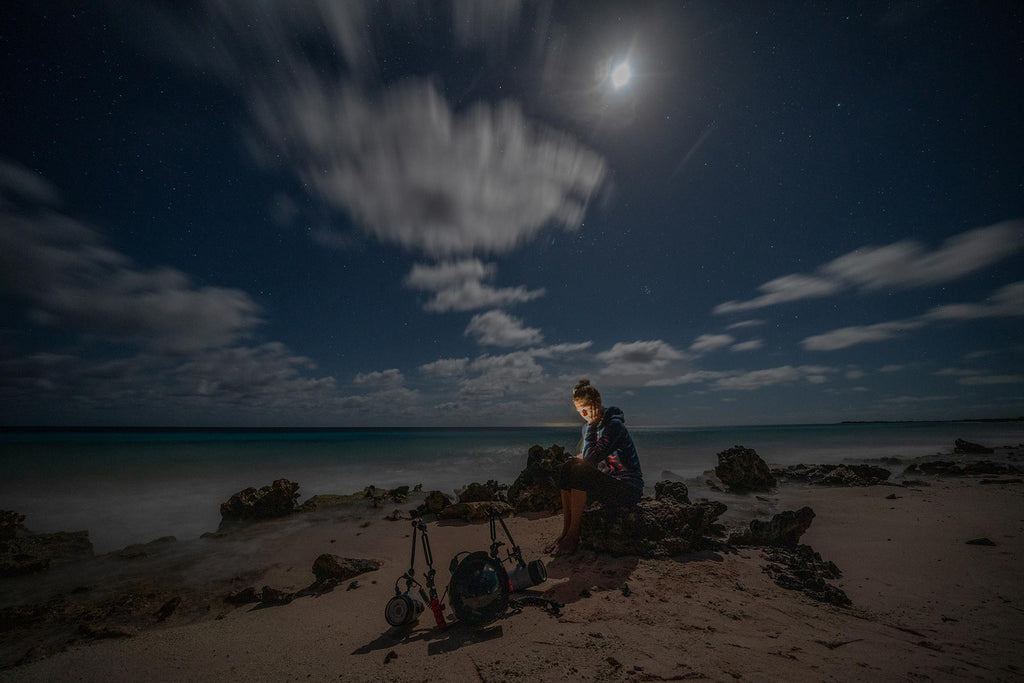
x=576 y=474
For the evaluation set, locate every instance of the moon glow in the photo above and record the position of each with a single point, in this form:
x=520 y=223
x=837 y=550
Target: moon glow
x=620 y=75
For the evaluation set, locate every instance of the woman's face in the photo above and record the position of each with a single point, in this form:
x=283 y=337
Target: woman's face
x=588 y=411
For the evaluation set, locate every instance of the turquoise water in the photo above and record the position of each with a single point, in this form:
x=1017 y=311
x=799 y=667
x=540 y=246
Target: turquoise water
x=131 y=487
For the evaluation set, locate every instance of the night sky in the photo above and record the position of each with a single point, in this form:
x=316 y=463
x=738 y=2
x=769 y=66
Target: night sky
x=318 y=213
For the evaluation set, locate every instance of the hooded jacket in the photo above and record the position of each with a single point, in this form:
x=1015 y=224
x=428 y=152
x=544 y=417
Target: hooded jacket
x=608 y=446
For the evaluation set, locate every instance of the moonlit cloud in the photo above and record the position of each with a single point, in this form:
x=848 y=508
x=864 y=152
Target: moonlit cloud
x=640 y=357
x=459 y=286
x=758 y=379
x=707 y=343
x=71 y=280
x=496 y=328
x=859 y=334
x=445 y=367
x=899 y=265
x=745 y=324
x=751 y=345
x=381 y=379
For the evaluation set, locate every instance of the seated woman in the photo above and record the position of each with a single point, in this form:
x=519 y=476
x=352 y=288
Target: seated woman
x=608 y=469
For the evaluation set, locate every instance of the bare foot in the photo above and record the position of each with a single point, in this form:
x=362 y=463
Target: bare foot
x=553 y=546
x=567 y=546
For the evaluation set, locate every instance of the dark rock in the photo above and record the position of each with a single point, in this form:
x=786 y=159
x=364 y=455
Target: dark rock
x=802 y=569
x=948 y=468
x=273 y=596
x=244 y=596
x=674 y=490
x=651 y=528
x=1001 y=481
x=981 y=541
x=474 y=512
x=784 y=529
x=167 y=609
x=742 y=469
x=11 y=524
x=536 y=488
x=961 y=446
x=433 y=504
x=276 y=500
x=329 y=567
x=397 y=515
x=104 y=632
x=835 y=475
x=140 y=550
x=477 y=493
x=36 y=552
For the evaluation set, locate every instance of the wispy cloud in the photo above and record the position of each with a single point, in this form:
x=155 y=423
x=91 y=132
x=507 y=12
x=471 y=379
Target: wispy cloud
x=381 y=379
x=640 y=357
x=460 y=286
x=1005 y=302
x=899 y=265
x=497 y=328
x=706 y=343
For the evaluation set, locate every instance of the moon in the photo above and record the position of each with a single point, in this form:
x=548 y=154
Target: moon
x=620 y=75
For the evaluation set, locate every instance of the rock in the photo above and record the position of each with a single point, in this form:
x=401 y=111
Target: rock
x=140 y=550
x=36 y=552
x=651 y=528
x=536 y=488
x=800 y=568
x=835 y=475
x=981 y=541
x=397 y=515
x=742 y=469
x=337 y=569
x=476 y=493
x=433 y=504
x=11 y=524
x=474 y=512
x=273 y=596
x=167 y=609
x=784 y=529
x=276 y=500
x=948 y=468
x=961 y=446
x=674 y=490
x=244 y=596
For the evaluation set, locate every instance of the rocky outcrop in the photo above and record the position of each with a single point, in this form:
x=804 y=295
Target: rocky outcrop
x=536 y=488
x=674 y=490
x=954 y=469
x=834 y=475
x=477 y=493
x=961 y=446
x=276 y=500
x=474 y=512
x=742 y=469
x=26 y=553
x=433 y=504
x=801 y=569
x=327 y=568
x=784 y=529
x=651 y=528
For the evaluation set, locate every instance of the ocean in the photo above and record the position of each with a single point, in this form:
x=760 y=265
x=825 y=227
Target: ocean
x=134 y=486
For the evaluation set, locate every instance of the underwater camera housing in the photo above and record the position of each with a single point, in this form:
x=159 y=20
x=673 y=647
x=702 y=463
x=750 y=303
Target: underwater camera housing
x=479 y=587
x=404 y=608
x=524 y=574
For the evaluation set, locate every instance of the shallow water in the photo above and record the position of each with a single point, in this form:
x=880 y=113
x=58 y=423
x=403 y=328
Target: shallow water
x=132 y=487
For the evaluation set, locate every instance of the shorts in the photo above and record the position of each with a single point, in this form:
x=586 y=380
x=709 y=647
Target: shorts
x=600 y=486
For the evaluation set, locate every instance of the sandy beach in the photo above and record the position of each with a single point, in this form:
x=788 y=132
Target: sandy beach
x=926 y=604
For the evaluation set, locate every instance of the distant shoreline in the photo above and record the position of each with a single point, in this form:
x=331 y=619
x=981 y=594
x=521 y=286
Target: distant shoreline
x=110 y=429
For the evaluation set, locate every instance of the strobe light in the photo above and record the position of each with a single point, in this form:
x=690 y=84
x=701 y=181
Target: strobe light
x=404 y=609
x=526 y=576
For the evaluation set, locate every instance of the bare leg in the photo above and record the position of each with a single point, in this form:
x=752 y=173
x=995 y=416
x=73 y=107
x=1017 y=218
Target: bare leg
x=566 y=523
x=571 y=537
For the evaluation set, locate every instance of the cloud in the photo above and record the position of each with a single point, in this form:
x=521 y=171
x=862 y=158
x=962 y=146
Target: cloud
x=496 y=328
x=640 y=357
x=991 y=379
x=859 y=334
x=751 y=345
x=899 y=265
x=383 y=379
x=744 y=324
x=19 y=184
x=696 y=377
x=1007 y=301
x=758 y=379
x=706 y=343
x=445 y=367
x=70 y=279
x=458 y=286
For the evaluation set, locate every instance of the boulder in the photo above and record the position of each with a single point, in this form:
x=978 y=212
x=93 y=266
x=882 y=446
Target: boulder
x=835 y=475
x=474 y=512
x=276 y=500
x=651 y=528
x=433 y=504
x=742 y=469
x=784 y=529
x=36 y=552
x=11 y=524
x=492 y=490
x=329 y=567
x=536 y=488
x=961 y=446
x=674 y=490
x=801 y=569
